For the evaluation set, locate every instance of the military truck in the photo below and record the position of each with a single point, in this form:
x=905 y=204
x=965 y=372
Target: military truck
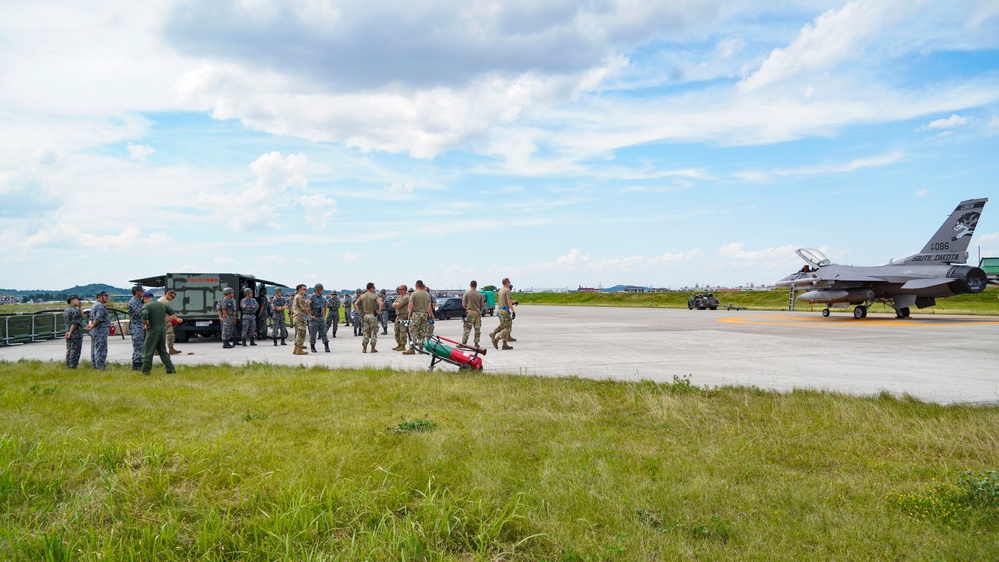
x=702 y=301
x=197 y=294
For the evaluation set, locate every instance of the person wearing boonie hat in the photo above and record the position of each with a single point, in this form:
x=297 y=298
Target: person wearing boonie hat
x=73 y=317
x=227 y=308
x=248 y=306
x=99 y=328
x=135 y=329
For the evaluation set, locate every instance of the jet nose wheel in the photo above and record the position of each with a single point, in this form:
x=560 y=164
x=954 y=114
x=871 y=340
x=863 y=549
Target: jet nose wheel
x=825 y=313
x=860 y=312
x=902 y=312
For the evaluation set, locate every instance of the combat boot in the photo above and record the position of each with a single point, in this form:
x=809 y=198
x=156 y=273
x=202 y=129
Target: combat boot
x=275 y=342
x=399 y=348
x=511 y=339
x=373 y=350
x=251 y=342
x=282 y=342
x=299 y=350
x=409 y=351
x=327 y=344
x=226 y=345
x=495 y=341
x=174 y=351
x=312 y=346
x=505 y=346
x=244 y=343
x=364 y=348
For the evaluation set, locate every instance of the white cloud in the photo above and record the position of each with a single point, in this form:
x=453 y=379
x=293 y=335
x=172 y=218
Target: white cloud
x=737 y=251
x=350 y=256
x=130 y=239
x=318 y=209
x=948 y=123
x=922 y=192
x=255 y=207
x=140 y=151
x=822 y=169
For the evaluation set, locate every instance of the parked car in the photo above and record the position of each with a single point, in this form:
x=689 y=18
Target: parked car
x=702 y=301
x=449 y=308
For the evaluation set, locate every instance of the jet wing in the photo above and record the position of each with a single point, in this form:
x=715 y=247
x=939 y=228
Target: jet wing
x=915 y=284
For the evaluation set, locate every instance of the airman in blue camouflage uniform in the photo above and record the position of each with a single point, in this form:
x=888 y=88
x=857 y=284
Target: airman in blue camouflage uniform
x=249 y=307
x=227 y=308
x=99 y=329
x=333 y=312
x=278 y=306
x=73 y=317
x=317 y=318
x=135 y=328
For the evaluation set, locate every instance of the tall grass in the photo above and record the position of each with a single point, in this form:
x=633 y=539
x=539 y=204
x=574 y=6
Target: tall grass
x=259 y=462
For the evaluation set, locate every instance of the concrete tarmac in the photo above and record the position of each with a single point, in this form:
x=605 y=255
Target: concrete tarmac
x=936 y=358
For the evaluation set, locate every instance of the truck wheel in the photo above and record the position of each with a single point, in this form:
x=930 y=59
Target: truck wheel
x=713 y=307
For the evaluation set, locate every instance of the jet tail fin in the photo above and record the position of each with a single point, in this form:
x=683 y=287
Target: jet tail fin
x=950 y=243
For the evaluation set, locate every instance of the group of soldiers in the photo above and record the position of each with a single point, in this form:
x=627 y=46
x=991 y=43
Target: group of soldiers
x=150 y=325
x=320 y=315
x=152 y=321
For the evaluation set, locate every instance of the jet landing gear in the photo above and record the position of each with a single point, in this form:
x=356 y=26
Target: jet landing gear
x=825 y=313
x=860 y=312
x=902 y=312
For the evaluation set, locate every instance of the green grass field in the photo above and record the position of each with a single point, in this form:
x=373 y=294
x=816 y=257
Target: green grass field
x=985 y=303
x=275 y=463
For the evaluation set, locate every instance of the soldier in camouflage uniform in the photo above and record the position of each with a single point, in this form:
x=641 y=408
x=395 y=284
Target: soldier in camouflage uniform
x=171 y=337
x=472 y=302
x=401 y=306
x=99 y=328
x=370 y=307
x=263 y=313
x=505 y=304
x=135 y=328
x=249 y=307
x=348 y=306
x=383 y=316
x=227 y=309
x=420 y=313
x=73 y=318
x=278 y=306
x=317 y=318
x=300 y=313
x=355 y=315
x=333 y=312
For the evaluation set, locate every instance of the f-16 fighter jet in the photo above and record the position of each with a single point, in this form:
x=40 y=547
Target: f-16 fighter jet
x=917 y=280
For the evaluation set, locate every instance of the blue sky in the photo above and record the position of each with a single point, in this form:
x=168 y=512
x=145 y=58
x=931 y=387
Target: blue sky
x=556 y=143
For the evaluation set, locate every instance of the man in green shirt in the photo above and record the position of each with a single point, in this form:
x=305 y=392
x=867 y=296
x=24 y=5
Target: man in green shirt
x=370 y=307
x=154 y=316
x=420 y=313
x=472 y=302
x=505 y=305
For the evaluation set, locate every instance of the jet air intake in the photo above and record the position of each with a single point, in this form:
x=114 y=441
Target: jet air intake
x=967 y=279
x=834 y=295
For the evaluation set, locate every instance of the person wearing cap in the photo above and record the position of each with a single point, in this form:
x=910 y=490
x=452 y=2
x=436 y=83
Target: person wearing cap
x=155 y=315
x=370 y=307
x=505 y=304
x=332 y=312
x=317 y=318
x=355 y=314
x=227 y=309
x=348 y=305
x=300 y=313
x=135 y=329
x=278 y=306
x=171 y=337
x=248 y=306
x=73 y=317
x=401 y=306
x=472 y=303
x=383 y=316
x=99 y=329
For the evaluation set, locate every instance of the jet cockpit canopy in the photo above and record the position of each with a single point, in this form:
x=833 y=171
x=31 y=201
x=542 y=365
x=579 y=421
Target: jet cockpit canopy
x=814 y=257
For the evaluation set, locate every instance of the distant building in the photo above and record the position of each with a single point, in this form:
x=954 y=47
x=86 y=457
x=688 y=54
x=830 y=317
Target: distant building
x=990 y=266
x=7 y=299
x=582 y=289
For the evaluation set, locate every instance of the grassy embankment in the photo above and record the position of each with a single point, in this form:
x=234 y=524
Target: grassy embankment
x=275 y=463
x=984 y=303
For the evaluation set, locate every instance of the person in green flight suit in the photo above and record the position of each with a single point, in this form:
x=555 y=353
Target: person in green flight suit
x=154 y=316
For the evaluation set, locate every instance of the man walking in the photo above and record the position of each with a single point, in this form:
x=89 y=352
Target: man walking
x=300 y=313
x=317 y=318
x=155 y=316
x=420 y=313
x=227 y=310
x=333 y=312
x=135 y=329
x=171 y=338
x=472 y=302
x=505 y=305
x=370 y=307
x=99 y=328
x=249 y=307
x=401 y=306
x=279 y=305
x=73 y=318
